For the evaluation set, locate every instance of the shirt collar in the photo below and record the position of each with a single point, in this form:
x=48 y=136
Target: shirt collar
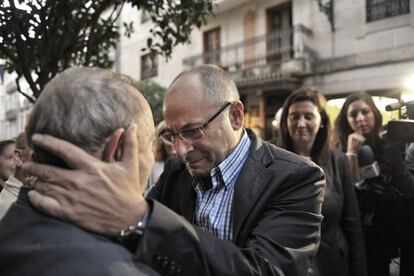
x=226 y=172
x=13 y=182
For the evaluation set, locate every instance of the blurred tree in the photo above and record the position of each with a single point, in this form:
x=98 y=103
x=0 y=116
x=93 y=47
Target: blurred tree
x=39 y=38
x=154 y=93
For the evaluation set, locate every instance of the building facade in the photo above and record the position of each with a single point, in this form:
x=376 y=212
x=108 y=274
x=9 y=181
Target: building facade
x=272 y=47
x=14 y=108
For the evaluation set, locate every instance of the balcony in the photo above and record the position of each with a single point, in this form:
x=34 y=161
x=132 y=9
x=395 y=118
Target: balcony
x=269 y=57
x=377 y=10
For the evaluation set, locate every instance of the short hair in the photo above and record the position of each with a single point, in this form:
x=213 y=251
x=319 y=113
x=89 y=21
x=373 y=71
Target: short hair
x=342 y=127
x=85 y=106
x=218 y=84
x=320 y=147
x=21 y=142
x=4 y=144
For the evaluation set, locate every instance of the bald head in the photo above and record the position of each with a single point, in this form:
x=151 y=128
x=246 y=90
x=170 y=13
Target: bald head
x=216 y=85
x=85 y=106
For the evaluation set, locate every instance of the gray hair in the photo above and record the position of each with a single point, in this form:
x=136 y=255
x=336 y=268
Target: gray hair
x=85 y=106
x=218 y=84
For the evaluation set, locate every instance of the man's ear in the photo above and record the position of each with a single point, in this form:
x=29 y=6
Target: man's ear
x=237 y=115
x=18 y=157
x=113 y=146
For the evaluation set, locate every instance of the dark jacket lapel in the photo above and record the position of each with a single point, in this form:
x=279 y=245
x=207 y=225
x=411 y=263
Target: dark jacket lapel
x=187 y=196
x=251 y=182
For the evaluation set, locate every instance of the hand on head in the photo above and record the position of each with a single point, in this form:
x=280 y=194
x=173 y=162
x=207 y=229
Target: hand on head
x=99 y=196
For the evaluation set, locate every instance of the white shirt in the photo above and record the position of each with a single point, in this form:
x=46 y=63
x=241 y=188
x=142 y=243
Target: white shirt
x=9 y=194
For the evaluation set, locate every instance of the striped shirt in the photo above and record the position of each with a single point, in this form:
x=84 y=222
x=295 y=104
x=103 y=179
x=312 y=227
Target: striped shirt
x=213 y=206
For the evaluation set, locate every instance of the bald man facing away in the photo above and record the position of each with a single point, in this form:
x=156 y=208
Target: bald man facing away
x=91 y=108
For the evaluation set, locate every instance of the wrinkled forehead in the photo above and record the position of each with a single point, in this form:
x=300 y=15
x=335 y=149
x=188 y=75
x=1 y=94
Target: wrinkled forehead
x=186 y=103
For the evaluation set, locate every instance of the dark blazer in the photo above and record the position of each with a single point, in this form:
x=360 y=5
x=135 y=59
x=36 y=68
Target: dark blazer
x=341 y=252
x=34 y=244
x=276 y=219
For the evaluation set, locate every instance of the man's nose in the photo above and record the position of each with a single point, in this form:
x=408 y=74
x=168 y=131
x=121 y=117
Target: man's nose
x=182 y=147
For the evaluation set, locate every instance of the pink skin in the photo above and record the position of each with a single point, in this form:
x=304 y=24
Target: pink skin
x=7 y=165
x=182 y=111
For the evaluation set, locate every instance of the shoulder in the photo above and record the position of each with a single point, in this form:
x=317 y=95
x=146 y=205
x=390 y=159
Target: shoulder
x=275 y=157
x=71 y=250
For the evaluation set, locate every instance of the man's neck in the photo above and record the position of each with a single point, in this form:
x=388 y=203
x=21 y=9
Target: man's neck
x=2 y=183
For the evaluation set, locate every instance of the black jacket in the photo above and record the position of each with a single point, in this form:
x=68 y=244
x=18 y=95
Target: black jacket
x=276 y=219
x=34 y=244
x=341 y=252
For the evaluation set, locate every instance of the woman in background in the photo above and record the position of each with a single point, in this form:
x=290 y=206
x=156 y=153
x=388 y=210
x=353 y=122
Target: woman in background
x=306 y=131
x=7 y=165
x=380 y=198
x=162 y=153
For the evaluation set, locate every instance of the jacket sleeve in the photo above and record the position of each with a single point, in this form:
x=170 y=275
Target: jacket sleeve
x=284 y=238
x=351 y=221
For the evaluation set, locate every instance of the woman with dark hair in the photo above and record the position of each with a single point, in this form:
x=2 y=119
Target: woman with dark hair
x=352 y=132
x=380 y=196
x=306 y=130
x=7 y=165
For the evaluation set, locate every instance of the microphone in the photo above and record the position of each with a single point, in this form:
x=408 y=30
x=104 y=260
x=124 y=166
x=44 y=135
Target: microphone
x=398 y=105
x=368 y=167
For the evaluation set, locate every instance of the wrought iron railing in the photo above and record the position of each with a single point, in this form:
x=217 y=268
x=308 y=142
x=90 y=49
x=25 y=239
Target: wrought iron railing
x=272 y=48
x=377 y=10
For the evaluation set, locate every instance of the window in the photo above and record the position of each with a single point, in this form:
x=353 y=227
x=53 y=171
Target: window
x=380 y=9
x=212 y=46
x=279 y=39
x=149 y=66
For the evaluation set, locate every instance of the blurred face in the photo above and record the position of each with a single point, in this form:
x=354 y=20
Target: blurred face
x=7 y=165
x=183 y=113
x=303 y=122
x=360 y=117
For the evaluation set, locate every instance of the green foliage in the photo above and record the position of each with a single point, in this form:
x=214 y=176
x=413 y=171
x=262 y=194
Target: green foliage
x=39 y=38
x=154 y=93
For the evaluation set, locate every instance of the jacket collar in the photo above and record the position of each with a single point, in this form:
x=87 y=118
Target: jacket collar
x=252 y=181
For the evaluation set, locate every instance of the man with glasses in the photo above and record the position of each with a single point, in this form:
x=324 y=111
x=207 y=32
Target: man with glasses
x=235 y=205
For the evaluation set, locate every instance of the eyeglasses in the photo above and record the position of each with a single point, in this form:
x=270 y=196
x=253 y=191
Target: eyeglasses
x=190 y=135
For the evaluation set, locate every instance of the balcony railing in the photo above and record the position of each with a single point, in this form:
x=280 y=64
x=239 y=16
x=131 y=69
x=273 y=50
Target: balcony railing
x=377 y=10
x=272 y=53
